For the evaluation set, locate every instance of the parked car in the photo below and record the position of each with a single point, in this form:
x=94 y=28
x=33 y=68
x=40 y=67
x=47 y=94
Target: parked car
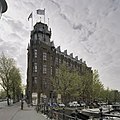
x=82 y=104
x=74 y=104
x=52 y=104
x=61 y=105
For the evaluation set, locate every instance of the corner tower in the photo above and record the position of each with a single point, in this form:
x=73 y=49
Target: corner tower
x=40 y=62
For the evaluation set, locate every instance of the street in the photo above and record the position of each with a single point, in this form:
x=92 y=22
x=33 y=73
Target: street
x=14 y=112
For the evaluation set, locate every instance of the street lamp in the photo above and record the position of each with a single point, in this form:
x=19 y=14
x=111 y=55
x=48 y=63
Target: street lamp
x=3 y=7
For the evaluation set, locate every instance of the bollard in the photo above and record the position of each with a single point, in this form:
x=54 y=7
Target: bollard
x=22 y=104
x=101 y=115
x=47 y=111
x=44 y=108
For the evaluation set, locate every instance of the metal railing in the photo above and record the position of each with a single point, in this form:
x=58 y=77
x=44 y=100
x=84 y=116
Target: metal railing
x=55 y=114
x=62 y=116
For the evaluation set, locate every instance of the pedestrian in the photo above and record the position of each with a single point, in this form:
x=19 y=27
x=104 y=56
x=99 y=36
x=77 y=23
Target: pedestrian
x=22 y=104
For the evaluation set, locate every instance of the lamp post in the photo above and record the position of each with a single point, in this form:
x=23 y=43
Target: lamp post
x=3 y=7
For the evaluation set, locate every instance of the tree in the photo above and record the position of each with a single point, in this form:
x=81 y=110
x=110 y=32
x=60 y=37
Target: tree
x=8 y=74
x=2 y=94
x=86 y=87
x=15 y=79
x=66 y=83
x=97 y=85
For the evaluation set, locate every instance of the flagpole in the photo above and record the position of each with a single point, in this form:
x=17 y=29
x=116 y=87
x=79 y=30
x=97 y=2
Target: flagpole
x=32 y=20
x=44 y=24
x=48 y=22
x=44 y=15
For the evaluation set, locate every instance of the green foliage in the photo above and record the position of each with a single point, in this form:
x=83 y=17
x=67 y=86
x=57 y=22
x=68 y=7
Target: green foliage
x=66 y=82
x=72 y=85
x=2 y=94
x=97 y=86
x=102 y=94
x=15 y=79
x=86 y=86
x=10 y=78
x=6 y=64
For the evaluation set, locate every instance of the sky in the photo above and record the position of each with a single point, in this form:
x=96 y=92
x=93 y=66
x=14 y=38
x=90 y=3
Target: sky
x=89 y=29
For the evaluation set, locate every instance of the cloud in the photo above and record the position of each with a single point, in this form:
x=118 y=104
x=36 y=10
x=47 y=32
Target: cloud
x=88 y=28
x=1 y=41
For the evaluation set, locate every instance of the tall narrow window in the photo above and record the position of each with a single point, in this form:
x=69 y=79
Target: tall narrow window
x=44 y=69
x=35 y=53
x=51 y=70
x=44 y=56
x=35 y=36
x=35 y=67
x=59 y=61
x=45 y=84
x=67 y=63
x=51 y=58
x=39 y=36
x=35 y=80
x=57 y=71
x=56 y=60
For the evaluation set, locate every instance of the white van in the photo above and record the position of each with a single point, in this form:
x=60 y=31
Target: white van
x=74 y=104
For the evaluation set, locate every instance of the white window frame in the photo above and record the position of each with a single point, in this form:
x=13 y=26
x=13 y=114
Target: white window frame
x=44 y=56
x=44 y=69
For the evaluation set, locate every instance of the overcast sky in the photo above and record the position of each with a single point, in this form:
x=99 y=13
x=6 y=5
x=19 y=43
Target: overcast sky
x=88 y=28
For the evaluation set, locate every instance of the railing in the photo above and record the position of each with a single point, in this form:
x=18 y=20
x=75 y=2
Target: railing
x=55 y=114
x=62 y=116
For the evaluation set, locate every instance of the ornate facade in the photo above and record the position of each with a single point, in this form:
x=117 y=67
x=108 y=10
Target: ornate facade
x=44 y=60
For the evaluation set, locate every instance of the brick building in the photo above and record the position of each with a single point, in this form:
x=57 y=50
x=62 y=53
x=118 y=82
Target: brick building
x=44 y=60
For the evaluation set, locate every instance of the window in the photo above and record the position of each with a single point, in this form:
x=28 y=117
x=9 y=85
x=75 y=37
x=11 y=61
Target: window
x=64 y=62
x=34 y=80
x=51 y=58
x=56 y=60
x=44 y=69
x=51 y=70
x=59 y=61
x=35 y=36
x=35 y=53
x=45 y=84
x=35 y=67
x=67 y=63
x=44 y=56
x=57 y=71
x=40 y=35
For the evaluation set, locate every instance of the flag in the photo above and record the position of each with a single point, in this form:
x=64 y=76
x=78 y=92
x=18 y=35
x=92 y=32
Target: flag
x=30 y=16
x=41 y=12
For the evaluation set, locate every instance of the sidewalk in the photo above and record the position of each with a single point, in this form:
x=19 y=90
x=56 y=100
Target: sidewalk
x=28 y=113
